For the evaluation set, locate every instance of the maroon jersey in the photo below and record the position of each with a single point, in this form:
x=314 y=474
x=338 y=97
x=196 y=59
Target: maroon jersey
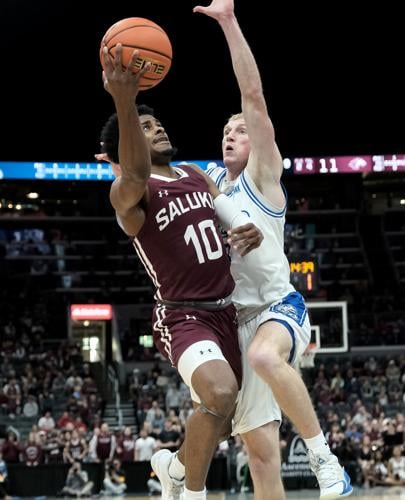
x=11 y=451
x=180 y=244
x=103 y=448
x=125 y=449
x=75 y=448
x=32 y=453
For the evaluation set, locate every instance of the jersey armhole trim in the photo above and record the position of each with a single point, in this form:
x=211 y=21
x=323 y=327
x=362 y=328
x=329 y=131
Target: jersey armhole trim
x=258 y=199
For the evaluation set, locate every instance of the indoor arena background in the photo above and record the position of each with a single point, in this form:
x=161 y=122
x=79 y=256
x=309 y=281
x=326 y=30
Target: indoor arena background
x=75 y=302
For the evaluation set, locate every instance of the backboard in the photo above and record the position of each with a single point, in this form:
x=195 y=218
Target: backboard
x=329 y=326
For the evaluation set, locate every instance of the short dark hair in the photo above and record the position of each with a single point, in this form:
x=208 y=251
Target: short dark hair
x=110 y=134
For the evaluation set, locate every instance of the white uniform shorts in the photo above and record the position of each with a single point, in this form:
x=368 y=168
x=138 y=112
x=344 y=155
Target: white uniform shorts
x=256 y=404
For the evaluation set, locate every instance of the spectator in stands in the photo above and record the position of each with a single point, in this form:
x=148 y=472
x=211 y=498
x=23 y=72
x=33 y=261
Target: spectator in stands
x=242 y=469
x=58 y=383
x=370 y=366
x=64 y=419
x=335 y=437
x=41 y=441
x=395 y=390
x=379 y=384
x=396 y=467
x=145 y=446
x=19 y=353
x=361 y=415
x=53 y=447
x=73 y=381
x=150 y=414
x=185 y=412
x=382 y=397
x=13 y=393
x=353 y=433
x=94 y=406
x=80 y=426
x=125 y=450
x=366 y=390
x=46 y=401
x=76 y=448
x=114 y=479
x=352 y=384
x=374 y=432
x=173 y=397
x=378 y=472
x=46 y=422
x=30 y=408
x=365 y=457
x=11 y=449
x=158 y=422
x=77 y=482
x=102 y=445
x=153 y=484
x=89 y=386
x=32 y=452
x=222 y=449
x=337 y=382
x=391 y=436
x=4 y=486
x=392 y=372
x=169 y=438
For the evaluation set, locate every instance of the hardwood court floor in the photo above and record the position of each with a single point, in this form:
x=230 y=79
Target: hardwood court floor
x=382 y=493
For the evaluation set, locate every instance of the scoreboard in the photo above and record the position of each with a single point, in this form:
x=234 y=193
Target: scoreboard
x=304 y=272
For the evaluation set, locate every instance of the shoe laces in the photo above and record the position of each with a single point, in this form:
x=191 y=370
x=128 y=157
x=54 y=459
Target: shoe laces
x=326 y=468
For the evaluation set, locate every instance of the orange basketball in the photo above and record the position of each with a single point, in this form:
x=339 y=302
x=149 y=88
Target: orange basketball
x=149 y=38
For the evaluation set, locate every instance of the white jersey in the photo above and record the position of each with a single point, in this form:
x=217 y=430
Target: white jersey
x=263 y=276
x=397 y=467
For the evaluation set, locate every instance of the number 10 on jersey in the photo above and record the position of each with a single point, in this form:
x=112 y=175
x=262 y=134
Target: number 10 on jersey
x=198 y=236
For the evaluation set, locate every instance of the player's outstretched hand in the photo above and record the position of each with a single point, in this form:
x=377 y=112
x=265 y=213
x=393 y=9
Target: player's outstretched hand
x=216 y=9
x=121 y=81
x=245 y=238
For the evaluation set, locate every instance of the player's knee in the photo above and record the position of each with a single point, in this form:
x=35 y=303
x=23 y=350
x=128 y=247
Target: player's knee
x=264 y=465
x=264 y=360
x=221 y=400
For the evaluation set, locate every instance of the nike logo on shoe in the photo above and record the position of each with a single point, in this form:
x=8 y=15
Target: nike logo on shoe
x=331 y=492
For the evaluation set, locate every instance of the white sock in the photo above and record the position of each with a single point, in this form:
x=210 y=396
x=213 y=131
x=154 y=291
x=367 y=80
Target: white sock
x=177 y=469
x=195 y=495
x=318 y=444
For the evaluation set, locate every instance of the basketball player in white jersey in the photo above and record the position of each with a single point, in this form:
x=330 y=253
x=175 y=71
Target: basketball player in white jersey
x=274 y=327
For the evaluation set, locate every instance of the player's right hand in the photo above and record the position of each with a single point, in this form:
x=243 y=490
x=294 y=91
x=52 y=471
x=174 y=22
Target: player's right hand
x=244 y=239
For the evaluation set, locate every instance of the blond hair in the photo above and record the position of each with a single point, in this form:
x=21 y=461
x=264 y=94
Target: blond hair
x=237 y=116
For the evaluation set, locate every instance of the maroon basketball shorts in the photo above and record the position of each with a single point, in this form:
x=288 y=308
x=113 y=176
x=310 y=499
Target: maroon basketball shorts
x=175 y=330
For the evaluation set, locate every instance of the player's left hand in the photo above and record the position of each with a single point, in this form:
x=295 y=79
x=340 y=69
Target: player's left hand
x=245 y=238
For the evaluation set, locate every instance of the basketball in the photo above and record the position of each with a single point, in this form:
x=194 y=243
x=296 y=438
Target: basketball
x=149 y=38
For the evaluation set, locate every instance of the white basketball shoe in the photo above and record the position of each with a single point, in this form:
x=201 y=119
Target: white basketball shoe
x=172 y=489
x=333 y=480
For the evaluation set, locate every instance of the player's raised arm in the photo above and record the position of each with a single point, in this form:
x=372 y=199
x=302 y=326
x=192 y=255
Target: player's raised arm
x=134 y=156
x=265 y=162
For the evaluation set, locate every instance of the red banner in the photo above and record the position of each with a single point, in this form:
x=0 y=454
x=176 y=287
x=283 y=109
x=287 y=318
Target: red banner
x=90 y=311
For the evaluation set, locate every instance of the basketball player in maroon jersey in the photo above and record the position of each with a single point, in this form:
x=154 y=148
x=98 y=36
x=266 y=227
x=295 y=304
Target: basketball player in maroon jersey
x=169 y=212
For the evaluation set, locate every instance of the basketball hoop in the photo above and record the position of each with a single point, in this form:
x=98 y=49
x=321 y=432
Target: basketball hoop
x=308 y=357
